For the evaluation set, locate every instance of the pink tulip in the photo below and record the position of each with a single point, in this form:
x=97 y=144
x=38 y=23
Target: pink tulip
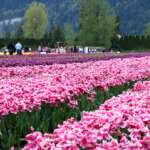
x=126 y=118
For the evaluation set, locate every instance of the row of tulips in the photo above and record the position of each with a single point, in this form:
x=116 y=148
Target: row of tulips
x=25 y=88
x=121 y=123
x=49 y=59
x=7 y=61
x=13 y=128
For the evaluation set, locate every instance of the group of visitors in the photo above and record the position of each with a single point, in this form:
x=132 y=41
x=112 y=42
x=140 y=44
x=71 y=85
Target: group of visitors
x=17 y=48
x=85 y=50
x=42 y=50
x=11 y=49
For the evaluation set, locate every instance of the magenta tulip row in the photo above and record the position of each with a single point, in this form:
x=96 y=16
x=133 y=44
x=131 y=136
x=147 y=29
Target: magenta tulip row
x=122 y=123
x=25 y=88
x=7 y=61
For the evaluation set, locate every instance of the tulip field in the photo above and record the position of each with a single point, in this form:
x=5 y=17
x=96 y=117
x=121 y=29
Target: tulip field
x=70 y=102
x=122 y=123
x=49 y=59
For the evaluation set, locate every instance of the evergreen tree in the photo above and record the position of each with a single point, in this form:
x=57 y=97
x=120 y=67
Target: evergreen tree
x=97 y=23
x=117 y=25
x=19 y=32
x=57 y=35
x=48 y=37
x=70 y=34
x=147 y=30
x=36 y=21
x=13 y=35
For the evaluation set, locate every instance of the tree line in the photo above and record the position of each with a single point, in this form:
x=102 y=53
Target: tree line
x=127 y=43
x=97 y=25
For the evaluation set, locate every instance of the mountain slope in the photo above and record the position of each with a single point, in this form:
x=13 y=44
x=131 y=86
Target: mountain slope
x=134 y=15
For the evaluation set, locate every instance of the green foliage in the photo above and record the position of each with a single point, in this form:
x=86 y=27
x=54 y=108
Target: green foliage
x=67 y=10
x=70 y=34
x=131 y=43
x=125 y=44
x=147 y=30
x=13 y=128
x=57 y=35
x=97 y=23
x=36 y=21
x=13 y=35
x=50 y=38
x=33 y=43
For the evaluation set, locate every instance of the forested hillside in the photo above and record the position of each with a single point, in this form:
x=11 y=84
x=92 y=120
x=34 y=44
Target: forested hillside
x=134 y=15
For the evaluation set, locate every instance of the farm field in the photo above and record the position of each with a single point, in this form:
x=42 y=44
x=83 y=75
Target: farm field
x=122 y=122
x=36 y=97
x=74 y=75
x=31 y=59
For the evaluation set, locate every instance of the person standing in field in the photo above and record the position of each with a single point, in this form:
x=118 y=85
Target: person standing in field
x=40 y=49
x=11 y=48
x=18 y=47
